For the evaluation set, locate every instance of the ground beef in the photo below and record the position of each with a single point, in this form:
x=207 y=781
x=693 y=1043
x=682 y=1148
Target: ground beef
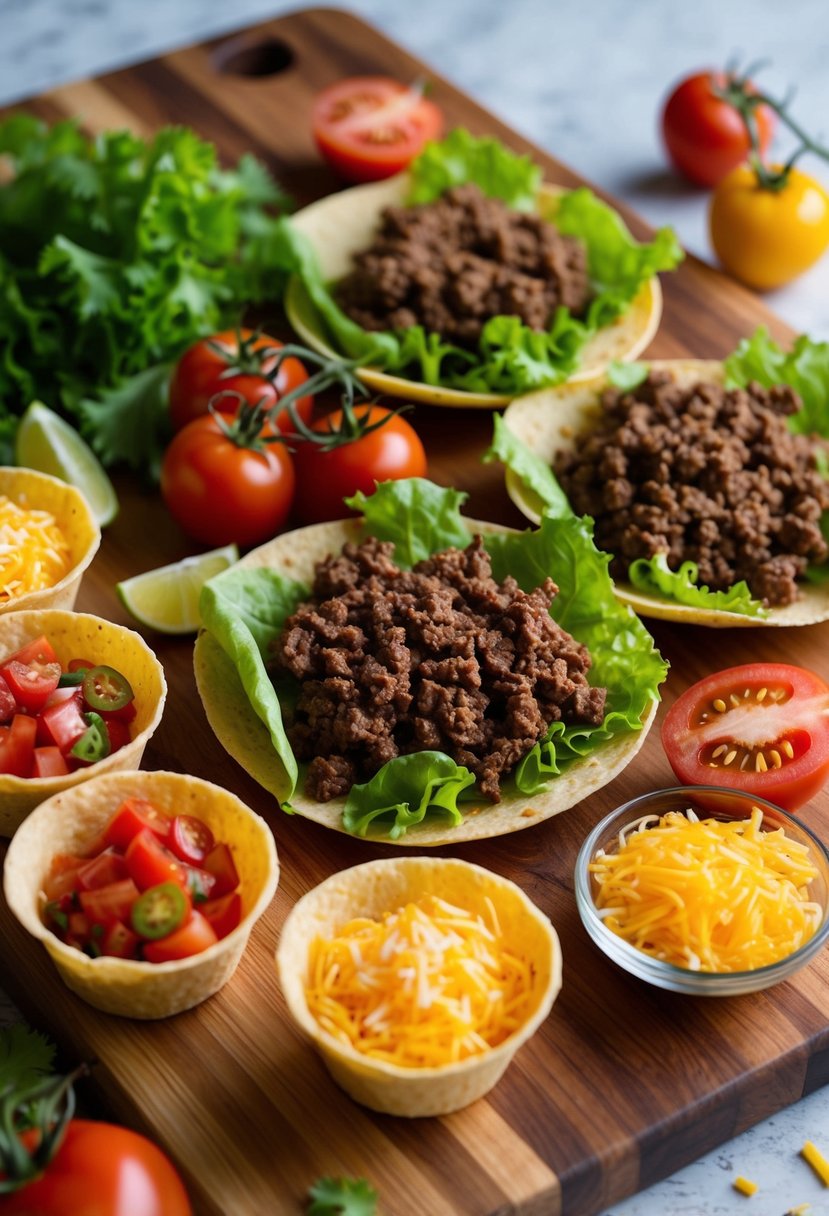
x=452 y=264
x=706 y=474
x=440 y=657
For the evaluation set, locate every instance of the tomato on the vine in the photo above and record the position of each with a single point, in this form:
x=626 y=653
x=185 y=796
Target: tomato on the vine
x=704 y=135
x=371 y=127
x=235 y=361
x=766 y=235
x=220 y=488
x=101 y=1170
x=761 y=727
x=324 y=477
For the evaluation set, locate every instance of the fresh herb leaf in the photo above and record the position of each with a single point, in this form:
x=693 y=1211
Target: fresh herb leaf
x=25 y=1057
x=342 y=1197
x=653 y=576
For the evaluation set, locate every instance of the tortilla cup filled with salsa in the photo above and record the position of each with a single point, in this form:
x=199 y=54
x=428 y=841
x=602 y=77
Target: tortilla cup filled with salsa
x=48 y=537
x=431 y=744
x=71 y=824
x=466 y=281
x=706 y=480
x=440 y=913
x=70 y=739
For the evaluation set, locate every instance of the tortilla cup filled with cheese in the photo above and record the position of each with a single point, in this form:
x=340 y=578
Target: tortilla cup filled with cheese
x=612 y=314
x=524 y=946
x=76 y=635
x=244 y=711
x=547 y=422
x=72 y=820
x=48 y=535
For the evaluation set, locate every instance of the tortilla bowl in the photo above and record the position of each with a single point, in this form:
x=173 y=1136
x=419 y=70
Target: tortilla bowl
x=68 y=821
x=342 y=224
x=547 y=422
x=378 y=887
x=74 y=518
x=242 y=733
x=80 y=635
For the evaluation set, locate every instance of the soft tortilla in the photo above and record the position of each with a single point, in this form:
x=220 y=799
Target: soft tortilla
x=342 y=224
x=547 y=422
x=245 y=737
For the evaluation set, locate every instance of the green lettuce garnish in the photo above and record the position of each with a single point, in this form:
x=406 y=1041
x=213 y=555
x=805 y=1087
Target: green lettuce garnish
x=805 y=368
x=511 y=357
x=246 y=611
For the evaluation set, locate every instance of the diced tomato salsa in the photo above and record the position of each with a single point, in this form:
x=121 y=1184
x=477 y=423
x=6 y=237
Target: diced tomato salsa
x=153 y=887
x=55 y=720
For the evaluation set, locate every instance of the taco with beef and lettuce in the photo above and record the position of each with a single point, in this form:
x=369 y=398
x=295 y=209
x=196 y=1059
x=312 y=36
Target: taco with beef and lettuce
x=466 y=281
x=706 y=481
x=419 y=677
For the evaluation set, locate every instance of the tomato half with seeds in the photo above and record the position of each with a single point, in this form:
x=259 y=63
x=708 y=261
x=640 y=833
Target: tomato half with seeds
x=761 y=727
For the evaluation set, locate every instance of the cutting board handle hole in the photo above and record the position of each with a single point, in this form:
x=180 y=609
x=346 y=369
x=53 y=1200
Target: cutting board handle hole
x=265 y=58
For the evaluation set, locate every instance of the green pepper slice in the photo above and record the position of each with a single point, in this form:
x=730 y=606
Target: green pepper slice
x=159 y=911
x=93 y=744
x=71 y=679
x=106 y=689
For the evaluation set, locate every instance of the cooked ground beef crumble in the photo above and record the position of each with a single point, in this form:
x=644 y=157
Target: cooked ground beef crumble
x=452 y=264
x=706 y=474
x=440 y=657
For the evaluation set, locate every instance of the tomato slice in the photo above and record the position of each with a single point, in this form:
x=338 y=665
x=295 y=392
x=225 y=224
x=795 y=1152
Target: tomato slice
x=761 y=727
x=8 y=705
x=119 y=941
x=48 y=762
x=17 y=745
x=224 y=914
x=106 y=688
x=118 y=733
x=219 y=862
x=133 y=815
x=109 y=903
x=151 y=864
x=108 y=867
x=33 y=654
x=159 y=911
x=31 y=686
x=193 y=937
x=200 y=884
x=190 y=839
x=61 y=724
x=370 y=127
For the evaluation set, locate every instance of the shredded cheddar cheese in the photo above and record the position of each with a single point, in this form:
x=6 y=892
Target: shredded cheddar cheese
x=745 y=1186
x=708 y=895
x=429 y=984
x=34 y=553
x=815 y=1158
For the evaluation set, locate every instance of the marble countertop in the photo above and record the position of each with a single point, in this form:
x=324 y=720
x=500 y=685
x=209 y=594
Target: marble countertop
x=594 y=105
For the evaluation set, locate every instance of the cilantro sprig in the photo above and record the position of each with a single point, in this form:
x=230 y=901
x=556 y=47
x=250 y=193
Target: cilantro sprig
x=342 y=1197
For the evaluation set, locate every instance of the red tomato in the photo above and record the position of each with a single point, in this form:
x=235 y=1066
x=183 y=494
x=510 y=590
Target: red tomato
x=36 y=653
x=118 y=732
x=48 y=762
x=102 y=1170
x=63 y=875
x=132 y=816
x=219 y=862
x=705 y=137
x=32 y=686
x=17 y=745
x=371 y=127
x=762 y=727
x=324 y=479
x=201 y=373
x=220 y=492
x=224 y=914
x=190 y=839
x=61 y=724
x=150 y=863
x=8 y=705
x=106 y=904
x=106 y=868
x=193 y=937
x=119 y=941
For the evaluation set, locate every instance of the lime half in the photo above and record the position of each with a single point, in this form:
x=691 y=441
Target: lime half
x=167 y=599
x=49 y=445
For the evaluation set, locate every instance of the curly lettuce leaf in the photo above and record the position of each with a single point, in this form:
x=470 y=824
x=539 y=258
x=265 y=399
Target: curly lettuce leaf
x=404 y=790
x=805 y=367
x=461 y=157
x=653 y=576
x=420 y=517
x=246 y=610
x=626 y=376
x=534 y=472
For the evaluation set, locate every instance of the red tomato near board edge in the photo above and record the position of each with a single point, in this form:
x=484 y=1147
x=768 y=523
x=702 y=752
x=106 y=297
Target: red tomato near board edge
x=202 y=372
x=727 y=731
x=325 y=478
x=220 y=491
x=102 y=1170
x=371 y=127
x=705 y=137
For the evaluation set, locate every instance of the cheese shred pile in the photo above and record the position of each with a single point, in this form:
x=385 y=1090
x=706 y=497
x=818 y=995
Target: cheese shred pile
x=708 y=895
x=428 y=985
x=34 y=553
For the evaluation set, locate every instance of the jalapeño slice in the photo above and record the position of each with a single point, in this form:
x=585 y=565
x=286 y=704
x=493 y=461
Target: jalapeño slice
x=106 y=689
x=93 y=744
x=159 y=910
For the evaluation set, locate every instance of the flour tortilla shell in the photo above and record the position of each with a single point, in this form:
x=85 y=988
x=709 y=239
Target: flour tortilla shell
x=245 y=737
x=76 y=635
x=547 y=422
x=74 y=518
x=374 y=889
x=70 y=820
x=342 y=224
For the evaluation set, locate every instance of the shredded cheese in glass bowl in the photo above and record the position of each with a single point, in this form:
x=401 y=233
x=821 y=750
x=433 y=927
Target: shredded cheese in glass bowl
x=704 y=890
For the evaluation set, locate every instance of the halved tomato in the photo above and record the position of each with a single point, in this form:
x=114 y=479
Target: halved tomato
x=371 y=127
x=761 y=727
x=195 y=935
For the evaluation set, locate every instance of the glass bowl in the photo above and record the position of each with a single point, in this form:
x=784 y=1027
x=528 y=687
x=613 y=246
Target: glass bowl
x=709 y=802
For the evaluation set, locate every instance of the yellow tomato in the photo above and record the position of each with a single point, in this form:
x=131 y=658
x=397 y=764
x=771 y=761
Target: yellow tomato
x=767 y=237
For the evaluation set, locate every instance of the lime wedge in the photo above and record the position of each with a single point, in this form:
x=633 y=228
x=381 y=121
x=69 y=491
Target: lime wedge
x=49 y=445
x=167 y=599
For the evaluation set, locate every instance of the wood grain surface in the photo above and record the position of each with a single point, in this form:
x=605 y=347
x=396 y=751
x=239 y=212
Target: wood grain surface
x=623 y=1084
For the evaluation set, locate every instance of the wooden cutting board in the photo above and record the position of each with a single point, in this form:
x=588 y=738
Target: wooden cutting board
x=623 y=1084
